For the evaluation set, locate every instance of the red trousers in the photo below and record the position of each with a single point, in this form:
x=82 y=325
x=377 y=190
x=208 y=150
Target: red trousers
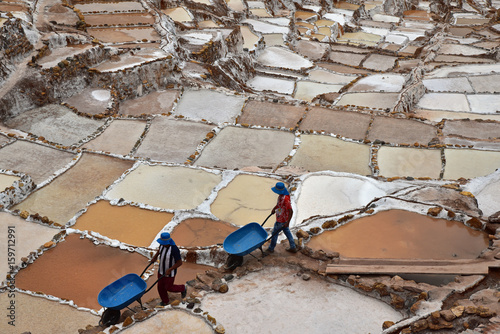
x=166 y=284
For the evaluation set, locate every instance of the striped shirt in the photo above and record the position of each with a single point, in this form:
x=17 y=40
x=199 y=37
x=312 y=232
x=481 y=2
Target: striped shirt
x=169 y=255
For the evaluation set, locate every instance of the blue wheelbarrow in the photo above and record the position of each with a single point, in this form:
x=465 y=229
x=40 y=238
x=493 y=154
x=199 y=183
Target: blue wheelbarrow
x=244 y=241
x=120 y=294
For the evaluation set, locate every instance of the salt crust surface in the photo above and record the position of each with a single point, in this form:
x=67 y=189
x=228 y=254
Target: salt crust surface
x=314 y=306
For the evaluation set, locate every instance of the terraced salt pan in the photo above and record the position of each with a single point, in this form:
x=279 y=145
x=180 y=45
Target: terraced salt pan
x=379 y=62
x=118 y=138
x=360 y=38
x=401 y=131
x=129 y=224
x=153 y=103
x=317 y=153
x=371 y=100
x=398 y=234
x=444 y=101
x=472 y=129
x=330 y=78
x=313 y=51
x=178 y=139
x=379 y=82
x=70 y=192
x=27 y=237
x=469 y=163
x=109 y=7
x=119 y=19
x=484 y=103
x=250 y=40
x=265 y=27
x=77 y=262
x=178 y=14
x=246 y=199
x=282 y=58
x=461 y=70
x=237 y=147
x=55 y=123
x=295 y=303
x=129 y=60
x=199 y=232
x=271 y=114
x=44 y=316
x=308 y=90
x=274 y=40
x=213 y=106
x=91 y=101
x=463 y=50
x=265 y=83
x=396 y=39
x=348 y=124
x=171 y=322
x=6 y=181
x=459 y=84
x=485 y=190
x=330 y=195
x=59 y=54
x=173 y=188
x=38 y=161
x=123 y=35
x=485 y=83
x=351 y=59
x=414 y=162
x=236 y=5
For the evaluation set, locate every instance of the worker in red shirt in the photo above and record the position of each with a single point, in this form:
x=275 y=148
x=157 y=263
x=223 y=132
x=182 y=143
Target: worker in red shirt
x=284 y=212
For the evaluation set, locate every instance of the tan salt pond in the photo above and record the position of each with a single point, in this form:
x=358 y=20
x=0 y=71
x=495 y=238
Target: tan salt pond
x=6 y=181
x=236 y=5
x=318 y=153
x=246 y=199
x=152 y=103
x=307 y=90
x=469 y=163
x=129 y=224
x=122 y=35
x=403 y=161
x=28 y=237
x=402 y=234
x=174 y=188
x=70 y=192
x=119 y=137
x=78 y=270
x=197 y=232
x=44 y=316
x=109 y=7
x=178 y=14
x=250 y=39
x=119 y=19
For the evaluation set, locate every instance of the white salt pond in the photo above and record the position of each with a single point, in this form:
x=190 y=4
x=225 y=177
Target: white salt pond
x=278 y=300
x=171 y=322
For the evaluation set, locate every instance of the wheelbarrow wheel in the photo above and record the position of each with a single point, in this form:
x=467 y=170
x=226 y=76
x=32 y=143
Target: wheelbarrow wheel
x=109 y=317
x=233 y=261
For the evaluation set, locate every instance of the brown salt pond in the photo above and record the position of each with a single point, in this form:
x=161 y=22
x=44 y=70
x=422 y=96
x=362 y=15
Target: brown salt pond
x=201 y=232
x=402 y=234
x=78 y=270
x=129 y=224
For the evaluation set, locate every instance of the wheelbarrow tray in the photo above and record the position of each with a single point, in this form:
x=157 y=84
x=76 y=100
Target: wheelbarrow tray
x=122 y=292
x=245 y=239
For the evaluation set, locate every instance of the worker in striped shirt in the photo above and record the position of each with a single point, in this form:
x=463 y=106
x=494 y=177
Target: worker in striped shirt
x=170 y=260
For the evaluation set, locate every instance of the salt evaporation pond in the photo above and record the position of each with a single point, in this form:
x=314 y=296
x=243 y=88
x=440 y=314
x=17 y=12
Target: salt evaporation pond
x=195 y=232
x=129 y=224
x=283 y=302
x=402 y=234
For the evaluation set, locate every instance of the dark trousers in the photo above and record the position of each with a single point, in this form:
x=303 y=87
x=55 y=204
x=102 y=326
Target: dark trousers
x=165 y=285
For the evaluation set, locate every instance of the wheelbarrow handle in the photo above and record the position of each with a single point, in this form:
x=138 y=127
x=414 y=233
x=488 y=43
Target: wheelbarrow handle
x=154 y=284
x=149 y=265
x=272 y=213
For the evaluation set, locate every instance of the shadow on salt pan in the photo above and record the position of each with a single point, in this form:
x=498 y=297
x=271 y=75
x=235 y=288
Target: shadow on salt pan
x=283 y=302
x=329 y=195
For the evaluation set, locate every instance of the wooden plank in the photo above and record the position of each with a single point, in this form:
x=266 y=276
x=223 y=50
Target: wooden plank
x=476 y=268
